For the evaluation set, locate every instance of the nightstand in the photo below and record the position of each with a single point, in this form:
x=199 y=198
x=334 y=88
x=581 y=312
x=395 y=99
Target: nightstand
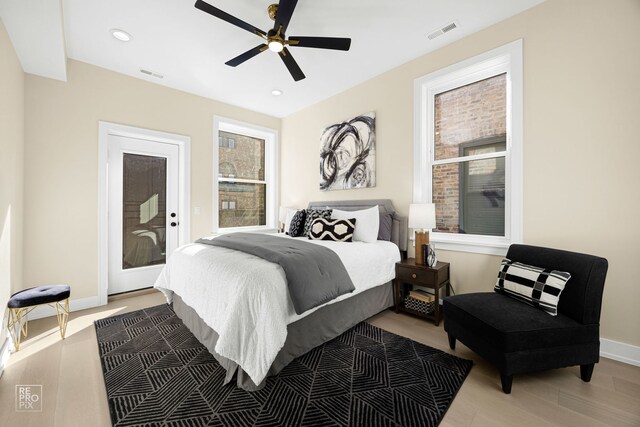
x=408 y=274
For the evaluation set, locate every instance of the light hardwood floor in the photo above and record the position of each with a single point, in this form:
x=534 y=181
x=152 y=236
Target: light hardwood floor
x=74 y=393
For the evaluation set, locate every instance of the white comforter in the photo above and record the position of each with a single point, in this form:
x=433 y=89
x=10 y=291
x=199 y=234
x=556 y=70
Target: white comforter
x=245 y=298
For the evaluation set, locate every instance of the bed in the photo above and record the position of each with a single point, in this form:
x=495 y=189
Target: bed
x=250 y=326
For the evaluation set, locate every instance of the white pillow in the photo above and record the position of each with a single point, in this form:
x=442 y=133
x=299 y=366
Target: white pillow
x=288 y=218
x=367 y=223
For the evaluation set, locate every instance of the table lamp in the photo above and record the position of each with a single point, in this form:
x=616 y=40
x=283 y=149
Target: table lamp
x=422 y=217
x=282 y=217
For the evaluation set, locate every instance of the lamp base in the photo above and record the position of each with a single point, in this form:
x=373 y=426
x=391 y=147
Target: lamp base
x=422 y=238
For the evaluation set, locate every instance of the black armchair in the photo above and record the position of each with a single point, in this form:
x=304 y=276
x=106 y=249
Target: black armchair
x=519 y=338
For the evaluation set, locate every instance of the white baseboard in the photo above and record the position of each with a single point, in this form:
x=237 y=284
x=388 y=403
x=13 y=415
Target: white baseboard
x=5 y=352
x=74 y=305
x=622 y=352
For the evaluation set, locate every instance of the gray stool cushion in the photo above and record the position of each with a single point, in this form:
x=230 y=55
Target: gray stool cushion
x=39 y=295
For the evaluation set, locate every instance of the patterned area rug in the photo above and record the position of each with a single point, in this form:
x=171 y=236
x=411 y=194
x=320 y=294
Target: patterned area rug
x=157 y=373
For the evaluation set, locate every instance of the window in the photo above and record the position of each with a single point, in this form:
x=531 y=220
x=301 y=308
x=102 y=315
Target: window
x=245 y=188
x=468 y=151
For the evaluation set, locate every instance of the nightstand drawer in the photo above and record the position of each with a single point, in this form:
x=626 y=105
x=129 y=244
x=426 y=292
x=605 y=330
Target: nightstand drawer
x=430 y=277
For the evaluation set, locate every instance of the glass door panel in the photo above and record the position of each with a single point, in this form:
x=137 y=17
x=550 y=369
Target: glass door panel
x=144 y=195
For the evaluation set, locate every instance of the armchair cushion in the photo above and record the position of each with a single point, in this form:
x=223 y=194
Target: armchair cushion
x=505 y=325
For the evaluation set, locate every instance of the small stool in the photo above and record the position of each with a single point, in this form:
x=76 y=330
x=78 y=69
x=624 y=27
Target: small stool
x=21 y=303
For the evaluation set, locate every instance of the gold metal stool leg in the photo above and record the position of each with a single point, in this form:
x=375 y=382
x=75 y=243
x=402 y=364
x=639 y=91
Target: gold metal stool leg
x=15 y=327
x=62 y=311
x=25 y=311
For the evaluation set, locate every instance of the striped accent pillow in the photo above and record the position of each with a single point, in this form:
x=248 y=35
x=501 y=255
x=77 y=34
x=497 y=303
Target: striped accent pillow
x=536 y=286
x=338 y=230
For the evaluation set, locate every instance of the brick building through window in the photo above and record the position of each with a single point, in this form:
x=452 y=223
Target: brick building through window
x=470 y=194
x=241 y=181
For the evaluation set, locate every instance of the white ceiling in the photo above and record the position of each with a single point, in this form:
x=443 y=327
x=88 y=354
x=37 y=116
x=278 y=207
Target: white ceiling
x=35 y=29
x=190 y=47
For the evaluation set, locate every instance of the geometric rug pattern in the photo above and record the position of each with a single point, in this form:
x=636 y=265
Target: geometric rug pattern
x=158 y=374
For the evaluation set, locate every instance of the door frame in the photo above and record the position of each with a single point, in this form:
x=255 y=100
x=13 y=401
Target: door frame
x=105 y=129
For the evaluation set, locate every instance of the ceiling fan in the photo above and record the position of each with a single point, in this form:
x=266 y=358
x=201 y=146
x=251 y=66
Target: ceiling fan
x=275 y=39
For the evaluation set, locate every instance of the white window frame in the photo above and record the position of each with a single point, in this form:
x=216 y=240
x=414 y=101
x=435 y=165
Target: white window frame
x=270 y=137
x=505 y=59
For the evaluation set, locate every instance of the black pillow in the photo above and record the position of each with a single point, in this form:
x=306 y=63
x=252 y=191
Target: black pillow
x=296 y=228
x=313 y=214
x=338 y=230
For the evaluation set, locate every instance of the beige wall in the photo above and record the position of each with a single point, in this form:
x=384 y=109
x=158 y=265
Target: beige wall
x=61 y=171
x=11 y=167
x=581 y=136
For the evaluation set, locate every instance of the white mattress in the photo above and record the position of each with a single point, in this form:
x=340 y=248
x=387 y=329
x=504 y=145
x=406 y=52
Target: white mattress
x=245 y=298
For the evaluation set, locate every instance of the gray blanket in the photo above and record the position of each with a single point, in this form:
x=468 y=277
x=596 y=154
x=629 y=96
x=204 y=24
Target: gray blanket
x=315 y=274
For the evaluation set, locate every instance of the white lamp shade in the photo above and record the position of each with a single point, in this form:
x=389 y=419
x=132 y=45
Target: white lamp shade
x=422 y=215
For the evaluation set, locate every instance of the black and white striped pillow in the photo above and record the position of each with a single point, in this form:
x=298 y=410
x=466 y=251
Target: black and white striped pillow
x=338 y=230
x=536 y=286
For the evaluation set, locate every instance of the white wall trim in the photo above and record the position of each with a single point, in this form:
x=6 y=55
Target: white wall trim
x=615 y=350
x=620 y=351
x=471 y=247
x=5 y=352
x=504 y=59
x=184 y=144
x=74 y=305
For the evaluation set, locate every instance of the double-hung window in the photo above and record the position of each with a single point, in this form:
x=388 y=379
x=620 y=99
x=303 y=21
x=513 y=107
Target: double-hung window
x=245 y=176
x=468 y=151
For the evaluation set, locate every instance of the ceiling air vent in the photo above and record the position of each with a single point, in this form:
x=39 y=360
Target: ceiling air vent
x=151 y=73
x=440 y=31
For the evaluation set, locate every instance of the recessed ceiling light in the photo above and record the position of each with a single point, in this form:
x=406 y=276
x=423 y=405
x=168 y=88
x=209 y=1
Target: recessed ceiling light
x=276 y=92
x=121 y=35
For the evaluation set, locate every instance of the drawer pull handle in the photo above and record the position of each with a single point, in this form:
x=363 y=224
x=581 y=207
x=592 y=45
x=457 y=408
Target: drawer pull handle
x=414 y=275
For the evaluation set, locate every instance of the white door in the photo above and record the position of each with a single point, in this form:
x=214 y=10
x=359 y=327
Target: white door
x=143 y=212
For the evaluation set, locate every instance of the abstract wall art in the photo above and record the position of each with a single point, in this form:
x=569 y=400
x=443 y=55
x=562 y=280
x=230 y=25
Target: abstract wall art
x=348 y=154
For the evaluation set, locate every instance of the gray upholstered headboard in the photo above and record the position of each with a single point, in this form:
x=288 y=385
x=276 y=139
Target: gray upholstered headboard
x=399 y=228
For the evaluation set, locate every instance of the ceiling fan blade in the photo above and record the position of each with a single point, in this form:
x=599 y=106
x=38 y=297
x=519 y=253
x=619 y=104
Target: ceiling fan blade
x=335 y=43
x=283 y=16
x=206 y=7
x=247 y=55
x=291 y=64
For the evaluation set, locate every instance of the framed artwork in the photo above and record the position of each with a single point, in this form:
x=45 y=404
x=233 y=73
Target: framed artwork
x=348 y=154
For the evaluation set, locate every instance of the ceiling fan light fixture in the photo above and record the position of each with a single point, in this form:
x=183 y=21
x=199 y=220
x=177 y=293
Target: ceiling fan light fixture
x=121 y=35
x=276 y=39
x=276 y=46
